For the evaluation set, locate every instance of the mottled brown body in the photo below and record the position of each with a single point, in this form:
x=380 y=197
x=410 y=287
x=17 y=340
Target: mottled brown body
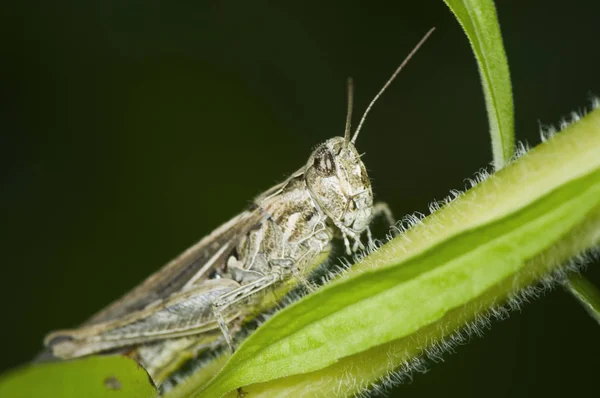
x=209 y=286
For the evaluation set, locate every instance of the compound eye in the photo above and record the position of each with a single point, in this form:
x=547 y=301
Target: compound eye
x=324 y=163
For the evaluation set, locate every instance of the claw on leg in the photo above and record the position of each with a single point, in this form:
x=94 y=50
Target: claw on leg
x=347 y=244
x=357 y=244
x=370 y=242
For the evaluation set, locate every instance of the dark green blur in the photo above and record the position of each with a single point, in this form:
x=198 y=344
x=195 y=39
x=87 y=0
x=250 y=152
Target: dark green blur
x=130 y=129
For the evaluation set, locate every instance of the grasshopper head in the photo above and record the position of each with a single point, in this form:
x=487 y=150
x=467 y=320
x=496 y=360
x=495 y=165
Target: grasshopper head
x=338 y=182
x=337 y=178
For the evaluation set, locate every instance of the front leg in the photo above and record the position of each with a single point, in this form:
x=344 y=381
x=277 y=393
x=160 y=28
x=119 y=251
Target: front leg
x=380 y=209
x=347 y=232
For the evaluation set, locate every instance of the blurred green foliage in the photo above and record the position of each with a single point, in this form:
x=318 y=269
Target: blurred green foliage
x=92 y=377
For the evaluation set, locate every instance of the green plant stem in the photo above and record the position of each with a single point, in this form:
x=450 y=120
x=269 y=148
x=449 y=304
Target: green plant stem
x=479 y=21
x=586 y=293
x=472 y=255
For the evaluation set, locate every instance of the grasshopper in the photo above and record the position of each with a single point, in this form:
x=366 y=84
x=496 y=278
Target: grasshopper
x=192 y=301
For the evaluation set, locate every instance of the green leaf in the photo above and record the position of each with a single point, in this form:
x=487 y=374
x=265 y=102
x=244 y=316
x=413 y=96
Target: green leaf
x=479 y=21
x=586 y=293
x=98 y=376
x=494 y=240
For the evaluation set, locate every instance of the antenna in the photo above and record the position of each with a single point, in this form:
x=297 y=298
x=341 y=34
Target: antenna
x=350 y=93
x=391 y=79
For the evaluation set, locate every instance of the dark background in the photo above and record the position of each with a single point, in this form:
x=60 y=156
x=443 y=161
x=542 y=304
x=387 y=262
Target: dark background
x=129 y=129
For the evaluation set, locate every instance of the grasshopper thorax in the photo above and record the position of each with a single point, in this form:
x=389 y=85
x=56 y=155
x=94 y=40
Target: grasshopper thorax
x=337 y=180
